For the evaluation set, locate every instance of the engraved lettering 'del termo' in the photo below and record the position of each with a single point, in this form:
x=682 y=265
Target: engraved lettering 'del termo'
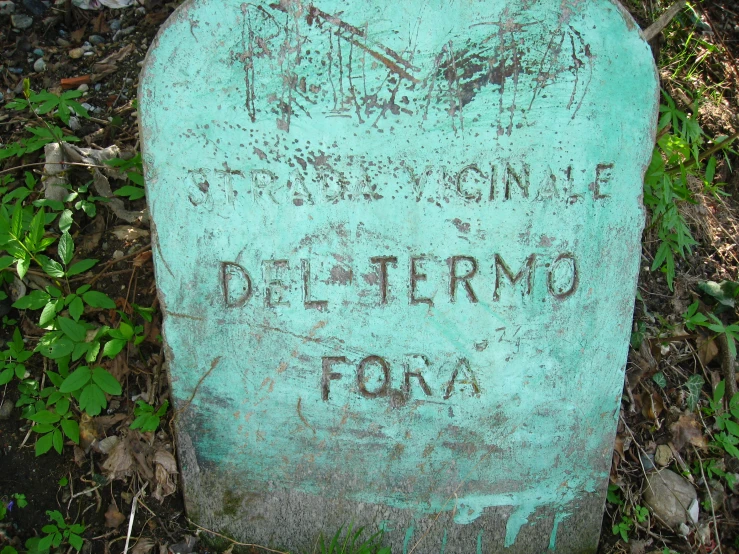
x=396 y=247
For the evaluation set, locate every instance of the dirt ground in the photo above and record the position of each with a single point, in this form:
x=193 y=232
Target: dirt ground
x=697 y=56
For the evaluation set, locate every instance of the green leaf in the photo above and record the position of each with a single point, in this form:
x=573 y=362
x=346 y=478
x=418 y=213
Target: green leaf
x=62 y=405
x=76 y=308
x=48 y=314
x=106 y=381
x=72 y=429
x=92 y=399
x=76 y=380
x=113 y=347
x=65 y=221
x=51 y=267
x=6 y=261
x=57 y=440
x=43 y=428
x=659 y=378
x=98 y=300
x=43 y=445
x=45 y=416
x=76 y=541
x=16 y=221
x=6 y=376
x=75 y=331
x=57 y=348
x=23 y=264
x=694 y=384
x=33 y=301
x=37 y=228
x=81 y=267
x=66 y=248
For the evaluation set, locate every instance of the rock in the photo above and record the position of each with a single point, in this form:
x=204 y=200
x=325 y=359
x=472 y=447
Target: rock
x=663 y=455
x=96 y=40
x=76 y=53
x=83 y=87
x=670 y=497
x=6 y=409
x=87 y=47
x=35 y=7
x=16 y=70
x=74 y=123
x=115 y=25
x=38 y=52
x=63 y=42
x=21 y=21
x=39 y=65
x=7 y=7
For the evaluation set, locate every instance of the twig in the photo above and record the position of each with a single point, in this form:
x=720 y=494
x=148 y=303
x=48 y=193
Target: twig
x=75 y=495
x=727 y=363
x=131 y=518
x=710 y=499
x=122 y=259
x=715 y=148
x=233 y=541
x=656 y=28
x=186 y=405
x=36 y=164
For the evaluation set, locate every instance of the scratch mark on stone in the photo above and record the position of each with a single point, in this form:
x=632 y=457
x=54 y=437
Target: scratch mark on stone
x=302 y=417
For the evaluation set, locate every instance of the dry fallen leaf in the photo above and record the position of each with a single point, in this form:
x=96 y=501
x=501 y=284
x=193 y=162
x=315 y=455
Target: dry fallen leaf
x=114 y=518
x=120 y=461
x=165 y=469
x=142 y=259
x=707 y=349
x=144 y=546
x=687 y=430
x=651 y=405
x=128 y=233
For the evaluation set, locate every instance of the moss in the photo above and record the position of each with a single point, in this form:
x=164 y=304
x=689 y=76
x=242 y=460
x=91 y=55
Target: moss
x=231 y=502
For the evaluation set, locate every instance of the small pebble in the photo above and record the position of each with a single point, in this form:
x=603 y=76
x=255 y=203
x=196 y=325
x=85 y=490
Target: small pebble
x=7 y=7
x=21 y=21
x=83 y=87
x=63 y=42
x=96 y=40
x=117 y=254
x=63 y=33
x=87 y=47
x=6 y=409
x=115 y=25
x=16 y=70
x=74 y=123
x=39 y=65
x=89 y=53
x=76 y=53
x=98 y=86
x=88 y=107
x=38 y=52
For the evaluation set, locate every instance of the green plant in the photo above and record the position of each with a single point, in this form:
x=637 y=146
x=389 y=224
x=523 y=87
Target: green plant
x=676 y=157
x=127 y=332
x=40 y=104
x=614 y=495
x=12 y=360
x=726 y=420
x=16 y=499
x=89 y=386
x=351 y=543
x=623 y=528
x=59 y=532
x=146 y=418
x=133 y=168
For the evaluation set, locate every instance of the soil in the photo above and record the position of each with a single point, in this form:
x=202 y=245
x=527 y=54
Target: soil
x=649 y=415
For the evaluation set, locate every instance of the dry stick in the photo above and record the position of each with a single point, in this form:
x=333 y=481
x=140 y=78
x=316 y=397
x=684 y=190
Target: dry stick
x=123 y=259
x=727 y=363
x=710 y=499
x=732 y=64
x=233 y=541
x=24 y=166
x=133 y=514
x=715 y=148
x=656 y=28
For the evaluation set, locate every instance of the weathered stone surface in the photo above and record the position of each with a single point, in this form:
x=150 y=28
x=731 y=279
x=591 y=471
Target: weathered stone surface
x=669 y=496
x=396 y=246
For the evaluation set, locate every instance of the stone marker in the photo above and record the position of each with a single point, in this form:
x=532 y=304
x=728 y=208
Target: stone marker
x=396 y=248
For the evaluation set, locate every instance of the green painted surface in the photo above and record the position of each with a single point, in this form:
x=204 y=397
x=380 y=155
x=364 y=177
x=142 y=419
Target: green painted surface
x=397 y=244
